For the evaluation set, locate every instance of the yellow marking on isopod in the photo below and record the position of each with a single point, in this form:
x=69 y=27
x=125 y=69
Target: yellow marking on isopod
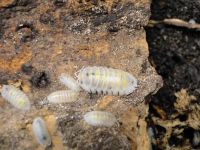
x=21 y=102
x=112 y=75
x=107 y=78
x=118 y=79
x=97 y=74
x=124 y=80
x=95 y=117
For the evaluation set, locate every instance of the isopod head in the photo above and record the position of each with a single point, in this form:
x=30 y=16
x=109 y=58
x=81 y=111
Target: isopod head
x=41 y=132
x=15 y=97
x=100 y=118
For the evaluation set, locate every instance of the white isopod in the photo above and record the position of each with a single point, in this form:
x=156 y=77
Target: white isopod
x=69 y=81
x=41 y=132
x=15 y=97
x=106 y=81
x=100 y=118
x=63 y=96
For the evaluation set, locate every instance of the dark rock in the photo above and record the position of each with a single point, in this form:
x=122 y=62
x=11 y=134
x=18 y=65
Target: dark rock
x=40 y=80
x=47 y=18
x=26 y=31
x=27 y=69
x=59 y=3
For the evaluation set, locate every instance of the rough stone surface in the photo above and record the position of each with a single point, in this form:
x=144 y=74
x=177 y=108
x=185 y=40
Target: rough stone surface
x=39 y=40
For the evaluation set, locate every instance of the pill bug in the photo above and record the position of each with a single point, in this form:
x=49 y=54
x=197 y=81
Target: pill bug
x=15 y=97
x=106 y=80
x=100 y=118
x=69 y=81
x=41 y=132
x=63 y=96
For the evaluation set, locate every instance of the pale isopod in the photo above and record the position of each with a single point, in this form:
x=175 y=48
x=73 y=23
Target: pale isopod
x=63 y=96
x=100 y=118
x=196 y=138
x=41 y=132
x=106 y=81
x=15 y=97
x=69 y=81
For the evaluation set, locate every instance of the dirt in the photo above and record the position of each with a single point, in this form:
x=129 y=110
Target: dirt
x=39 y=40
x=175 y=53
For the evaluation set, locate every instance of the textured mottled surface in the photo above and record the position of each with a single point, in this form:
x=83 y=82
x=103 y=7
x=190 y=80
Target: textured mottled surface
x=39 y=40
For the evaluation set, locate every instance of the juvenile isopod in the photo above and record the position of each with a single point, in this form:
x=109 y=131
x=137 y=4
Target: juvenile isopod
x=41 y=132
x=196 y=138
x=15 y=97
x=62 y=96
x=69 y=81
x=106 y=81
x=100 y=118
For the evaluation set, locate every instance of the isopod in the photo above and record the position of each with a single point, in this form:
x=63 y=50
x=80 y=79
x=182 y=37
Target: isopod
x=106 y=81
x=100 y=118
x=41 y=132
x=15 y=97
x=63 y=96
x=69 y=81
x=196 y=138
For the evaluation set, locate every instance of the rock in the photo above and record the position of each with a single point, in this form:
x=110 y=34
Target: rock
x=6 y=3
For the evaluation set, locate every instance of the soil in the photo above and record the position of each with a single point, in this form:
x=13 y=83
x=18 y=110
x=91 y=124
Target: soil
x=175 y=53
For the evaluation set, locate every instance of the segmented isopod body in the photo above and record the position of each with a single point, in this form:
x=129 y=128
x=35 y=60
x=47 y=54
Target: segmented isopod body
x=100 y=118
x=41 y=132
x=63 y=96
x=106 y=81
x=69 y=81
x=15 y=97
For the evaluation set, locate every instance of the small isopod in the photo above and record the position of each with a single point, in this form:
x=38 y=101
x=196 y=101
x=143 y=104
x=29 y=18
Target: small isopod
x=100 y=118
x=69 y=81
x=106 y=81
x=63 y=96
x=41 y=132
x=196 y=138
x=15 y=97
